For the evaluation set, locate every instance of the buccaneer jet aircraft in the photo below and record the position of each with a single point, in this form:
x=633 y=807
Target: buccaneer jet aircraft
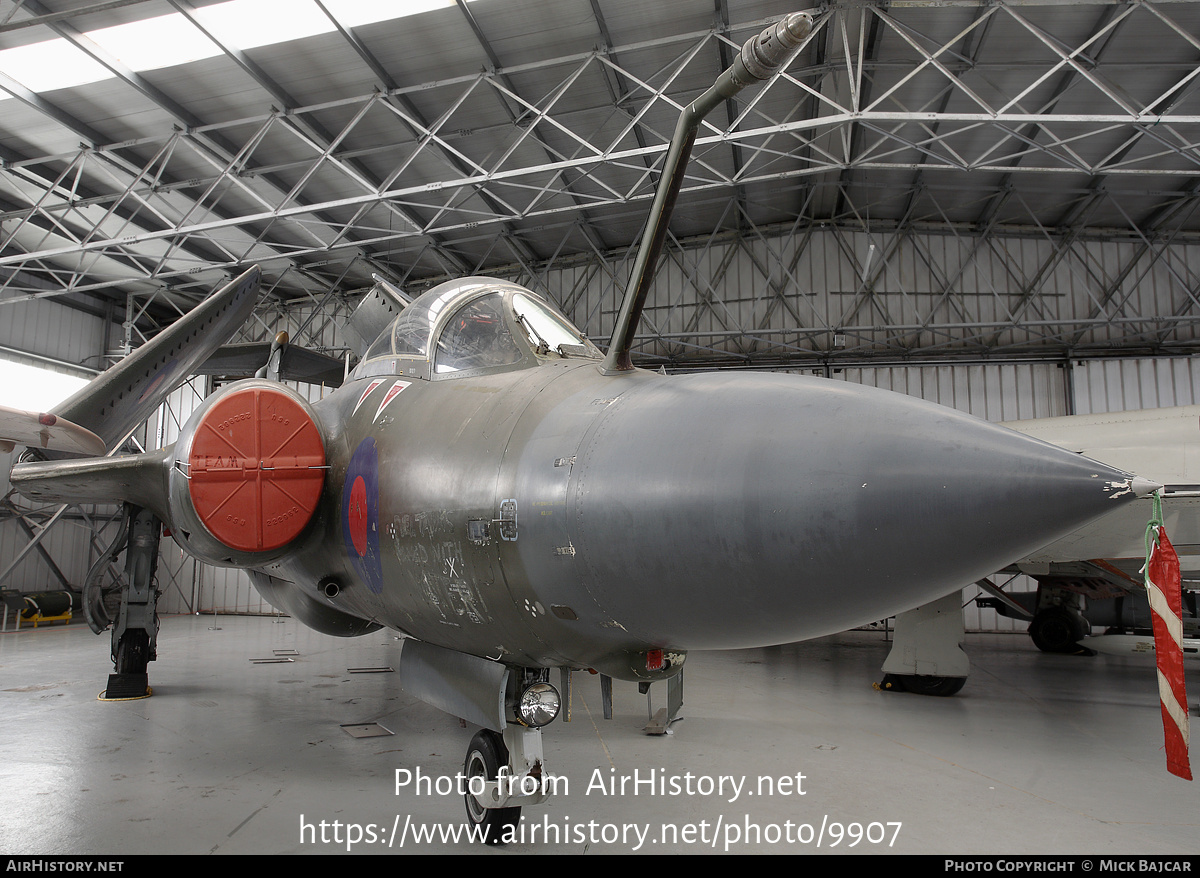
x=492 y=486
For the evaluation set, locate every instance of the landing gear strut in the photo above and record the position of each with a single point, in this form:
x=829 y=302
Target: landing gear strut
x=505 y=770
x=135 y=632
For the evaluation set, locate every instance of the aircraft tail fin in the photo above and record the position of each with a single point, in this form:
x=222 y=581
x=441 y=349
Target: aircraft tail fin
x=375 y=314
x=295 y=363
x=115 y=402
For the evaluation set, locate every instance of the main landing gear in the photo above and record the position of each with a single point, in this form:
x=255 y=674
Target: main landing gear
x=1059 y=629
x=133 y=603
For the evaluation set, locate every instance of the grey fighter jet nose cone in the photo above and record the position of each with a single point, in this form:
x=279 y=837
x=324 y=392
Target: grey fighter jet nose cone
x=792 y=505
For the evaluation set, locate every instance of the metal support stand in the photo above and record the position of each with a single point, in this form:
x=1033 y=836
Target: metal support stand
x=927 y=656
x=564 y=677
x=660 y=722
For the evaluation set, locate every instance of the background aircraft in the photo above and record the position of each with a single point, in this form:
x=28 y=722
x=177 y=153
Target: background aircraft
x=1092 y=576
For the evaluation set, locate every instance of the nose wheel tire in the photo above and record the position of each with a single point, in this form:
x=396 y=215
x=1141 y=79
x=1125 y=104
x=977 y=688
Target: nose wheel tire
x=485 y=755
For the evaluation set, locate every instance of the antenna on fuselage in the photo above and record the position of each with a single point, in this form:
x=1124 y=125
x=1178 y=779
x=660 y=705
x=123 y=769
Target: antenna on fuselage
x=761 y=58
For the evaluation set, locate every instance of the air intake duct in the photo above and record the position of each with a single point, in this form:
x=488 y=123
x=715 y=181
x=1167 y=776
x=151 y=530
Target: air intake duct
x=248 y=474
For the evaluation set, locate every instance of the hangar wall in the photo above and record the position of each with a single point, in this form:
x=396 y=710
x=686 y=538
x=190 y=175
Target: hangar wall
x=47 y=329
x=53 y=337
x=751 y=299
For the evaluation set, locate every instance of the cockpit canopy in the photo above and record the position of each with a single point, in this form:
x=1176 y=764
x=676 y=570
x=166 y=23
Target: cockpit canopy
x=471 y=326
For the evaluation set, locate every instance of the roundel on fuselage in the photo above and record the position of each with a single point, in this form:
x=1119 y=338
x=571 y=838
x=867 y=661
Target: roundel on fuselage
x=360 y=515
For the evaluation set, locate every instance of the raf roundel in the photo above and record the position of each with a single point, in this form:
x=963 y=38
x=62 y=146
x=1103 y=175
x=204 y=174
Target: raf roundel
x=256 y=469
x=360 y=515
x=356 y=515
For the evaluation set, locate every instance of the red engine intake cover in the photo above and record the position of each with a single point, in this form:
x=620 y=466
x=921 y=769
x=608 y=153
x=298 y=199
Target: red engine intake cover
x=254 y=467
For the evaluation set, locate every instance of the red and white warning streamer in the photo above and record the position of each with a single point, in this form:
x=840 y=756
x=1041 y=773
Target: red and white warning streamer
x=1166 y=606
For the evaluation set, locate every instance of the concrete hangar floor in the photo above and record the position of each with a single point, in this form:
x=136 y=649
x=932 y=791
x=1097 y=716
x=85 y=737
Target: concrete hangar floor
x=1039 y=754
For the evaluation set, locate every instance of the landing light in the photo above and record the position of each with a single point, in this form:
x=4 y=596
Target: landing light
x=538 y=705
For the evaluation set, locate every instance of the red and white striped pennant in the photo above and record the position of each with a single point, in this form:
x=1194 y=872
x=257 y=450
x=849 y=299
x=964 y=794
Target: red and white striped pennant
x=1166 y=605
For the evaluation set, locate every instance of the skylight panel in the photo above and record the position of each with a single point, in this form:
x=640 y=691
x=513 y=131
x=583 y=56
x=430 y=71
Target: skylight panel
x=155 y=42
x=50 y=65
x=355 y=13
x=170 y=40
x=247 y=24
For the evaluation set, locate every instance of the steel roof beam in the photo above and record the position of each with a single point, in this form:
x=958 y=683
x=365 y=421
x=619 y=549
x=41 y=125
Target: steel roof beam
x=50 y=17
x=452 y=157
x=16 y=169
x=622 y=86
x=211 y=141
x=860 y=90
x=1107 y=23
x=310 y=126
x=519 y=118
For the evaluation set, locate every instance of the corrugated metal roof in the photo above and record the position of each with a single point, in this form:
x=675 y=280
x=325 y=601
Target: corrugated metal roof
x=495 y=132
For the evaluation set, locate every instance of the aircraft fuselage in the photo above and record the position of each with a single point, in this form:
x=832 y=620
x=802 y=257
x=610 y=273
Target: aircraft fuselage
x=556 y=516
